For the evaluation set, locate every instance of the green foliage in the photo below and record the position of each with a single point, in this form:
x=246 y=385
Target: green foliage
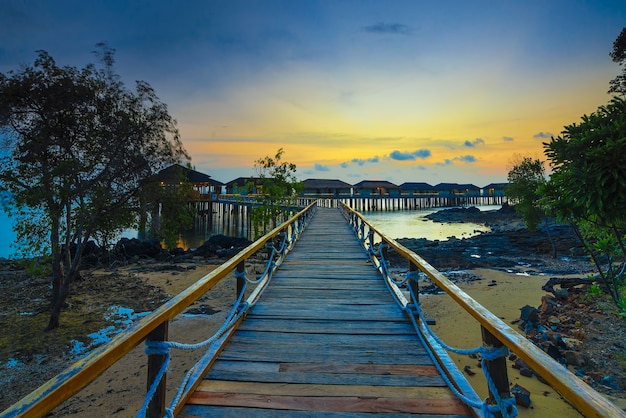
x=588 y=188
x=280 y=187
x=618 y=55
x=594 y=290
x=79 y=146
x=175 y=214
x=525 y=180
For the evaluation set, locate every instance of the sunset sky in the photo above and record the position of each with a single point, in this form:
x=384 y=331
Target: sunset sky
x=432 y=91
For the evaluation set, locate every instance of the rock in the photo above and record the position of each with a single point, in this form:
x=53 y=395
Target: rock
x=529 y=313
x=574 y=358
x=526 y=372
x=522 y=395
x=547 y=304
x=572 y=343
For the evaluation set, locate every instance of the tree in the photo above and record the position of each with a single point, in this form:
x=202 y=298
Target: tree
x=280 y=186
x=79 y=146
x=618 y=55
x=588 y=189
x=168 y=202
x=526 y=179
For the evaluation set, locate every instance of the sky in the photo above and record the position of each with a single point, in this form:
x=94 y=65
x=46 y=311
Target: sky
x=404 y=91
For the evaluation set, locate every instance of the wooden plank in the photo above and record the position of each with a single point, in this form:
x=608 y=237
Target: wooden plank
x=326 y=378
x=339 y=404
x=294 y=389
x=196 y=411
x=320 y=326
x=342 y=357
x=380 y=369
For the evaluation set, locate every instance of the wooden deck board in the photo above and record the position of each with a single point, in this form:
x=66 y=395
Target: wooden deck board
x=326 y=339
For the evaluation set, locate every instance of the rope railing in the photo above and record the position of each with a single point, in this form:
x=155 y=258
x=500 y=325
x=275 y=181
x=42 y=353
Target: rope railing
x=153 y=329
x=498 y=337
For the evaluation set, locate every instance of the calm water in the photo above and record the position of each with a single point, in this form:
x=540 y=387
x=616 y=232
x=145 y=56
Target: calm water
x=402 y=224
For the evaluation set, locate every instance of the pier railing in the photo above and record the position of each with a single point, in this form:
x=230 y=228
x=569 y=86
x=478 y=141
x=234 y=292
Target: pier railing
x=495 y=332
x=153 y=327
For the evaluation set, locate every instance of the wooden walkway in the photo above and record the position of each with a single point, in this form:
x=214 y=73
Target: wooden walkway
x=326 y=339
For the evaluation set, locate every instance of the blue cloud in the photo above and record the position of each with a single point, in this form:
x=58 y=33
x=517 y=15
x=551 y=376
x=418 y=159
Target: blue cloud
x=466 y=158
x=392 y=28
x=361 y=161
x=472 y=144
x=507 y=138
x=320 y=167
x=543 y=135
x=408 y=156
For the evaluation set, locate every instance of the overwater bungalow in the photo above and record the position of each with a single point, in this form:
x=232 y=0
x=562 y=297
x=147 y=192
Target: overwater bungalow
x=456 y=189
x=494 y=189
x=201 y=183
x=245 y=186
x=417 y=189
x=318 y=188
x=378 y=188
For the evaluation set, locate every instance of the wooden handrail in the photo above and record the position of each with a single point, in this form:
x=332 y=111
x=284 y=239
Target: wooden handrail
x=61 y=387
x=582 y=396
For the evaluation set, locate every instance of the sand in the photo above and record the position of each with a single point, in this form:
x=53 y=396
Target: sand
x=120 y=390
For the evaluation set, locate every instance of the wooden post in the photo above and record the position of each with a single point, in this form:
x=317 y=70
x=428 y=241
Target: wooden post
x=496 y=369
x=241 y=267
x=412 y=282
x=156 y=408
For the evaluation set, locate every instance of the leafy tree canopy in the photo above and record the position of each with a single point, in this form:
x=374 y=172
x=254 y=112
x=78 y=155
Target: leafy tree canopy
x=280 y=186
x=525 y=179
x=618 y=55
x=78 y=146
x=588 y=189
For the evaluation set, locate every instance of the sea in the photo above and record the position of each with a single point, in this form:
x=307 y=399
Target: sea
x=394 y=224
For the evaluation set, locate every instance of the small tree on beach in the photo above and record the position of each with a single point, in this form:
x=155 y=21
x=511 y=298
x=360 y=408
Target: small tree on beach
x=526 y=179
x=588 y=189
x=79 y=147
x=280 y=186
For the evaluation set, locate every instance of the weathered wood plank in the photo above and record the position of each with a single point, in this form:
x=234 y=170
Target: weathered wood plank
x=210 y=411
x=320 y=326
x=340 y=404
x=380 y=369
x=341 y=357
x=295 y=389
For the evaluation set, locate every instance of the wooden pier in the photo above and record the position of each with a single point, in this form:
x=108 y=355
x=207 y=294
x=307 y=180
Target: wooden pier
x=325 y=337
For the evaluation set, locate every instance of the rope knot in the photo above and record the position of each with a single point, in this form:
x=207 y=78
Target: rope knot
x=492 y=353
x=157 y=348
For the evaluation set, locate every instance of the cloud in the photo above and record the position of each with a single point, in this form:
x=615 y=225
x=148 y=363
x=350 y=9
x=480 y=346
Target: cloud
x=474 y=143
x=543 y=135
x=361 y=161
x=409 y=156
x=392 y=28
x=466 y=159
x=320 y=167
x=344 y=165
x=507 y=138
